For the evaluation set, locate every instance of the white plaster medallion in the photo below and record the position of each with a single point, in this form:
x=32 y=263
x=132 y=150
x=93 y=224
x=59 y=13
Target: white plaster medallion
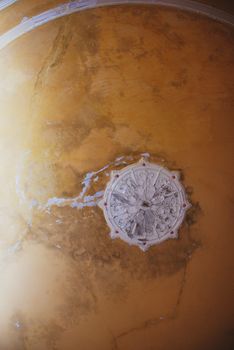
x=144 y=204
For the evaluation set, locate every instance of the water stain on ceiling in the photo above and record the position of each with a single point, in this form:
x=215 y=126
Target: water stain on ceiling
x=80 y=97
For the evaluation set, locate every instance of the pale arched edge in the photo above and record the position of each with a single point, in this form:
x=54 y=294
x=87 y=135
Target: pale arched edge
x=29 y=24
x=6 y=3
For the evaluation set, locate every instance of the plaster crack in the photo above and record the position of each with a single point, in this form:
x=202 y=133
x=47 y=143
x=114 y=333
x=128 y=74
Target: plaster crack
x=54 y=58
x=155 y=321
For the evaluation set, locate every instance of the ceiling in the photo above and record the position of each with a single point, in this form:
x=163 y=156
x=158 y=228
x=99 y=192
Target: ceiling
x=84 y=95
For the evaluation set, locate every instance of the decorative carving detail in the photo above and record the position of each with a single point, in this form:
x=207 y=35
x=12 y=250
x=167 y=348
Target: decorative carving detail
x=144 y=204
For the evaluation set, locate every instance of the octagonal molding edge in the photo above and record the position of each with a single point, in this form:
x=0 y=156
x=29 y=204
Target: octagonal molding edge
x=144 y=204
x=28 y=24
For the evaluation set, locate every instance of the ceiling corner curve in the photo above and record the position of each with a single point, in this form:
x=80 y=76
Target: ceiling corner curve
x=6 y=3
x=28 y=24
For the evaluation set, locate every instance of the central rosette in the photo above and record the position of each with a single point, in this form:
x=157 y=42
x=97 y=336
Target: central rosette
x=144 y=204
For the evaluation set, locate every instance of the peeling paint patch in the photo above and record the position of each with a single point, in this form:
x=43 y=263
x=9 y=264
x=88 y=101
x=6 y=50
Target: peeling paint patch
x=11 y=251
x=82 y=200
x=17 y=324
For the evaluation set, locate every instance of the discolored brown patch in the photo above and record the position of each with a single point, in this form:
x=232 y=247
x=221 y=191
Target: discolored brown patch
x=83 y=235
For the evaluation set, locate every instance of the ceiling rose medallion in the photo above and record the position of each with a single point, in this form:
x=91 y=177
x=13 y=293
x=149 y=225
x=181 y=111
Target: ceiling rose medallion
x=144 y=204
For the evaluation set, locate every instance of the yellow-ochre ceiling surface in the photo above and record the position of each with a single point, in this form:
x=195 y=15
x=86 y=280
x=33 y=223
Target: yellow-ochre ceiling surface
x=86 y=92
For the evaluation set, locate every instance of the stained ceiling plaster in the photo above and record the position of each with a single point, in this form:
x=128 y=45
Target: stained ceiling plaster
x=79 y=97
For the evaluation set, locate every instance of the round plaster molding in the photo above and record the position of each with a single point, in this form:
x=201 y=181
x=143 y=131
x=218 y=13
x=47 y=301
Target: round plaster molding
x=144 y=204
x=28 y=24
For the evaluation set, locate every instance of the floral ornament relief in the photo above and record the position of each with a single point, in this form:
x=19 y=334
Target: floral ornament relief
x=144 y=204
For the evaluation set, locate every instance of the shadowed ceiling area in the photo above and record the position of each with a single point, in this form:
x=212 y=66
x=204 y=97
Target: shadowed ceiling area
x=81 y=96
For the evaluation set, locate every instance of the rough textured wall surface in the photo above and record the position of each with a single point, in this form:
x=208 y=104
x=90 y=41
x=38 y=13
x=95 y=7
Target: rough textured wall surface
x=79 y=97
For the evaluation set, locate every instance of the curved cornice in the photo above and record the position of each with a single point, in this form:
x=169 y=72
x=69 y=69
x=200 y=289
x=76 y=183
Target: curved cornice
x=6 y=3
x=29 y=24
